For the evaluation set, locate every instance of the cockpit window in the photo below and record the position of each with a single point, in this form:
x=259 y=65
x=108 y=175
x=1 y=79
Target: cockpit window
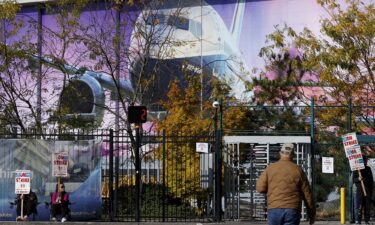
x=196 y=28
x=178 y=22
x=155 y=19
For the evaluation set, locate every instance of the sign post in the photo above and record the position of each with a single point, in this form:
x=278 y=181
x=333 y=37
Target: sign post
x=22 y=184
x=137 y=115
x=354 y=155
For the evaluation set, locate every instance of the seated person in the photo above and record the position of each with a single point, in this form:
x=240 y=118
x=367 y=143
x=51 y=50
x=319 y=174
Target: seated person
x=60 y=201
x=30 y=202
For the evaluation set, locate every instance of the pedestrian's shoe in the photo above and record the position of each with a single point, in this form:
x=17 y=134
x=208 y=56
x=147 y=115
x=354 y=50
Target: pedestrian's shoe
x=63 y=219
x=356 y=222
x=53 y=218
x=18 y=218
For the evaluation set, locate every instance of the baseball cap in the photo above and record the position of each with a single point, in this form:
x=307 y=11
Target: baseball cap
x=287 y=149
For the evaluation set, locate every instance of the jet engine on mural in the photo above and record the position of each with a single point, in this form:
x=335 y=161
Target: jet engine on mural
x=83 y=97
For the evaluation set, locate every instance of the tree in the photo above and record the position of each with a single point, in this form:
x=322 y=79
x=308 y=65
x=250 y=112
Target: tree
x=341 y=60
x=29 y=92
x=277 y=88
x=15 y=94
x=344 y=58
x=341 y=63
x=185 y=118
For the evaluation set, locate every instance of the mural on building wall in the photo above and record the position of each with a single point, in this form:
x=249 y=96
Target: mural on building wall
x=83 y=182
x=169 y=41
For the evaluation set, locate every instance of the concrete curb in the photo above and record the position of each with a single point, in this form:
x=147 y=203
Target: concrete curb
x=167 y=223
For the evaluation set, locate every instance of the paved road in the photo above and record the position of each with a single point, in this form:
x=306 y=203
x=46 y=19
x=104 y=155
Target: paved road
x=169 y=223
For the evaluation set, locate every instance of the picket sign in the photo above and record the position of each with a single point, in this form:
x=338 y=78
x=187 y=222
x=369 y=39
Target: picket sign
x=22 y=184
x=354 y=155
x=60 y=164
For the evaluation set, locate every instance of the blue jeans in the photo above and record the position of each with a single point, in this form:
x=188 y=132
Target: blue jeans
x=283 y=216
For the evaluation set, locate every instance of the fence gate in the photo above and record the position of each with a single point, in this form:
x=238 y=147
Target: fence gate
x=176 y=180
x=245 y=158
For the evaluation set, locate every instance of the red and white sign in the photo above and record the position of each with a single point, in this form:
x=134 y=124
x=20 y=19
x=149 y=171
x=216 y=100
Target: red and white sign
x=60 y=164
x=353 y=151
x=349 y=140
x=22 y=181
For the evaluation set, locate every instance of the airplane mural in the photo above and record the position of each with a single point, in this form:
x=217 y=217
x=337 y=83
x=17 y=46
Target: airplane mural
x=212 y=48
x=224 y=40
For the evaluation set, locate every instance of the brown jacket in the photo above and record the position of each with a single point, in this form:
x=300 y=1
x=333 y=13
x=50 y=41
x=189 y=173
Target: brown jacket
x=286 y=186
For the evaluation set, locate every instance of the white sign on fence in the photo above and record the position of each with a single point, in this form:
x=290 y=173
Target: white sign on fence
x=327 y=164
x=202 y=147
x=60 y=164
x=22 y=181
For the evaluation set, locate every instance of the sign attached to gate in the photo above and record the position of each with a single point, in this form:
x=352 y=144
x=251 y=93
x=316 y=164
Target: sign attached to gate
x=327 y=164
x=202 y=147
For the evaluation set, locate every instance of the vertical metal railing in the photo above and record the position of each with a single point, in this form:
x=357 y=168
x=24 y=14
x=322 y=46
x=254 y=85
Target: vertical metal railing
x=110 y=183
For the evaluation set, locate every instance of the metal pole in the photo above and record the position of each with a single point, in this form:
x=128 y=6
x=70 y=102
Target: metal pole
x=39 y=75
x=117 y=120
x=342 y=205
x=201 y=59
x=137 y=174
x=312 y=134
x=110 y=185
x=350 y=107
x=21 y=196
x=219 y=159
x=217 y=171
x=164 y=185
x=350 y=183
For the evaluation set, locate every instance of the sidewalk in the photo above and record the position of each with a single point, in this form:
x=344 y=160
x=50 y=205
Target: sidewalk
x=168 y=223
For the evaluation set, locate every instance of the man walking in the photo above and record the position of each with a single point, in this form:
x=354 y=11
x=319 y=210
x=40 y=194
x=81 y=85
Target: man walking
x=286 y=186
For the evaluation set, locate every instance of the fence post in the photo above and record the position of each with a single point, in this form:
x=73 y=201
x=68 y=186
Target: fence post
x=342 y=205
x=116 y=173
x=220 y=160
x=350 y=184
x=163 y=190
x=110 y=185
x=217 y=168
x=312 y=133
x=117 y=106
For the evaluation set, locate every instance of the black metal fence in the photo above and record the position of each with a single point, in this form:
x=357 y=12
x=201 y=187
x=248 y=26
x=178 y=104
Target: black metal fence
x=175 y=182
x=174 y=179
